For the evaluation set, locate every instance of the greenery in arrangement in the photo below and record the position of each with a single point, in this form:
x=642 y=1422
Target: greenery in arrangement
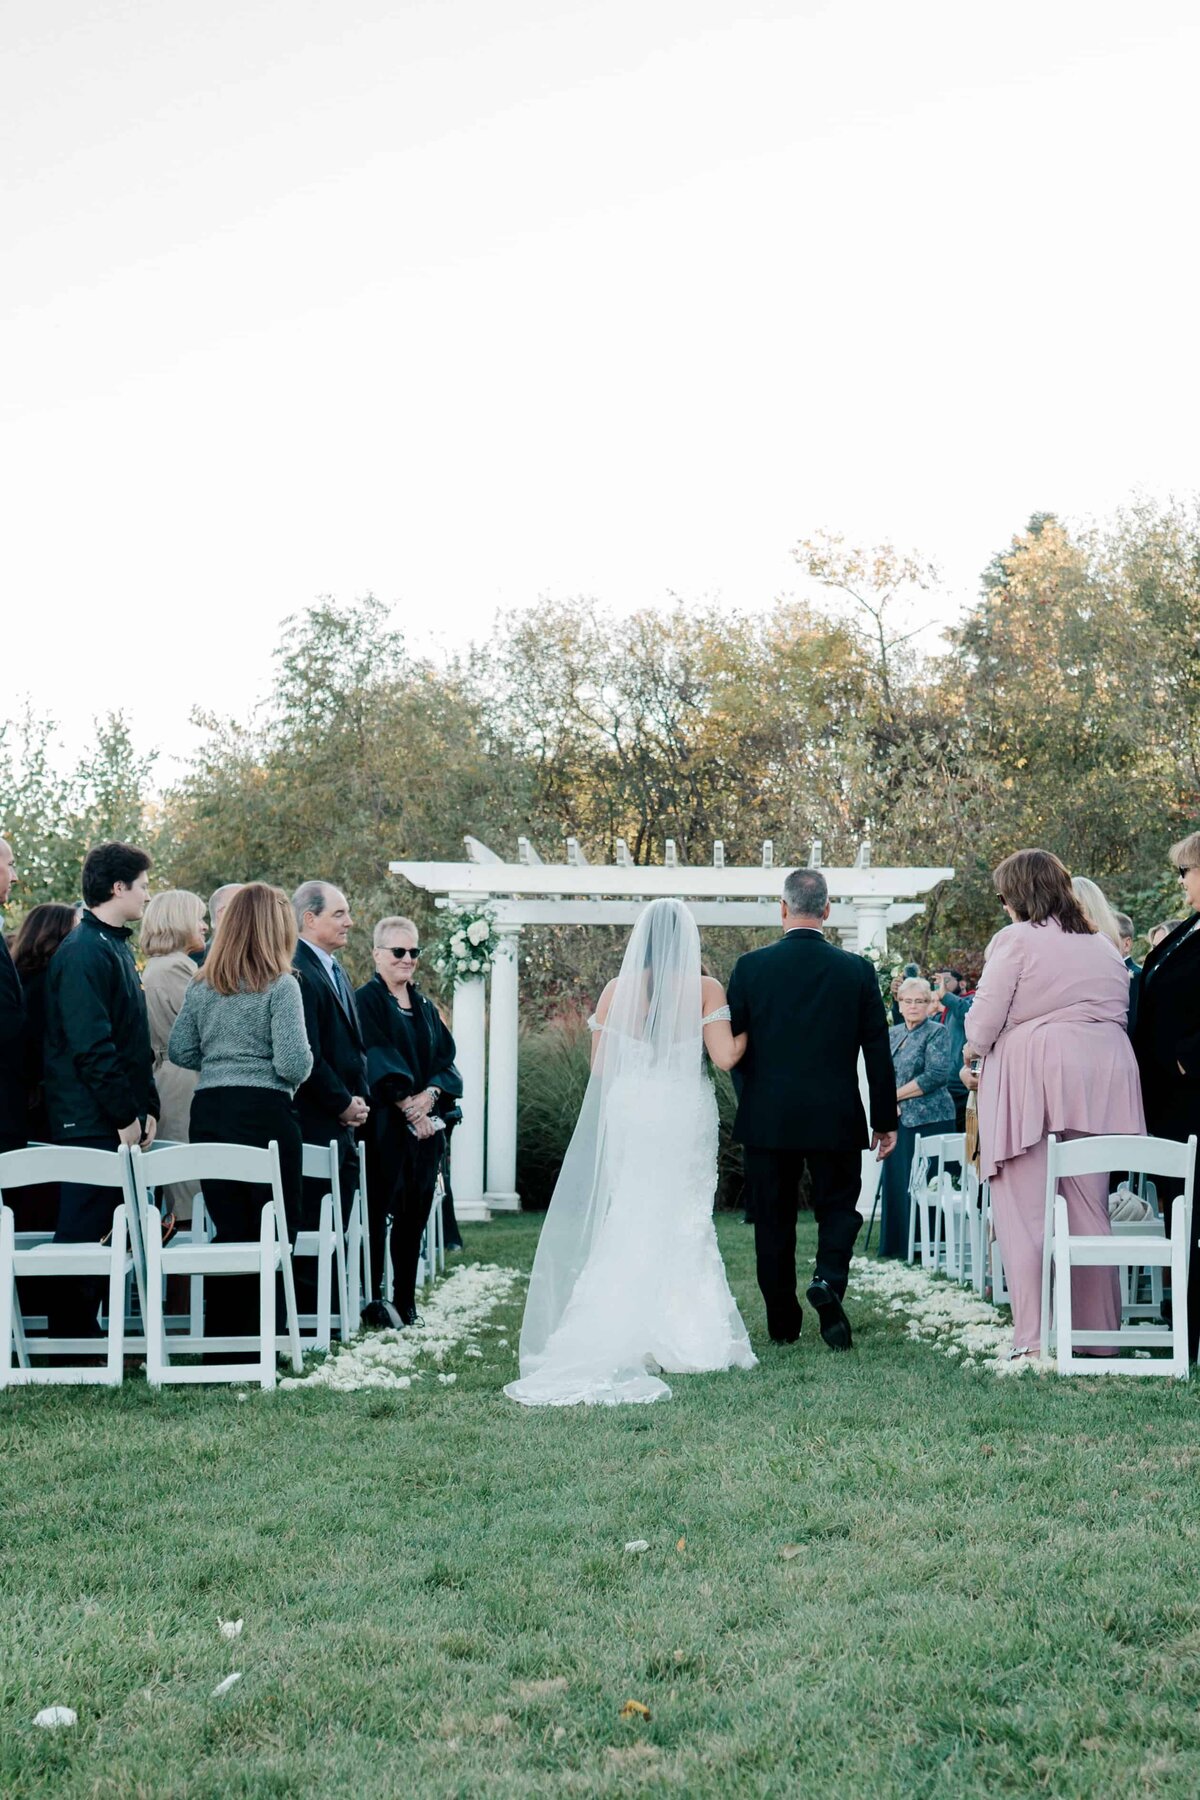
x=465 y=943
x=870 y=1574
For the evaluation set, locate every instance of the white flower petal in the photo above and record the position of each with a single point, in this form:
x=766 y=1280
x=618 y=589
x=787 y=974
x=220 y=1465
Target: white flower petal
x=223 y=1687
x=51 y=1717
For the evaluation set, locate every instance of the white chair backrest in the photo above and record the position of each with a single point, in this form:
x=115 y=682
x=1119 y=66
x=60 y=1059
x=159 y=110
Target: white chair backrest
x=319 y=1161
x=63 y=1162
x=1139 y=1155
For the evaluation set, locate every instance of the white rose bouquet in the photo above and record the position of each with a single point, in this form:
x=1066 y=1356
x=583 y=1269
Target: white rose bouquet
x=465 y=943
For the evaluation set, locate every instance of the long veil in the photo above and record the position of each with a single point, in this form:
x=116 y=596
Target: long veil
x=652 y=1036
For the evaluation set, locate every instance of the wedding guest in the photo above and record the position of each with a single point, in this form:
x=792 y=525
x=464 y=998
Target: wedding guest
x=42 y=931
x=218 y=900
x=953 y=1007
x=1125 y=946
x=1049 y=1021
x=172 y=936
x=1167 y=1039
x=99 y=1066
x=1157 y=933
x=413 y=1086
x=922 y=1057
x=14 y=1091
x=330 y=1102
x=1096 y=910
x=241 y=1028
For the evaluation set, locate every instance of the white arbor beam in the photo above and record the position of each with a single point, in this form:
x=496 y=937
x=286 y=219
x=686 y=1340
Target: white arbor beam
x=575 y=857
x=624 y=860
x=470 y=881
x=814 y=855
x=670 y=860
x=843 y=916
x=527 y=856
x=479 y=853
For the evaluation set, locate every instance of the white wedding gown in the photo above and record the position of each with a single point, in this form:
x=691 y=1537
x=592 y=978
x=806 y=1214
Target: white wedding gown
x=635 y=1284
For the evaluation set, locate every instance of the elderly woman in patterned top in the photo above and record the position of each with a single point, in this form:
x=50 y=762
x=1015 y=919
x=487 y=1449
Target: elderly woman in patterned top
x=923 y=1058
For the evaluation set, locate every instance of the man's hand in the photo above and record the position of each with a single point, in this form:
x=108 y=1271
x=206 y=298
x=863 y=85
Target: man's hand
x=131 y=1134
x=151 y=1131
x=883 y=1143
x=357 y=1113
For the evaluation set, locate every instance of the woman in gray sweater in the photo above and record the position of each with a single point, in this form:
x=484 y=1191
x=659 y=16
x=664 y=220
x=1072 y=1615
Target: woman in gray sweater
x=242 y=1027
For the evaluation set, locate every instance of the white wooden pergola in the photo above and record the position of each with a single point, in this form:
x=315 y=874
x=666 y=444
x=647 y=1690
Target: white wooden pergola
x=865 y=901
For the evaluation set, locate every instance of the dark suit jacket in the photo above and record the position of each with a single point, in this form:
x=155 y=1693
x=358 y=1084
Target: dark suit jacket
x=809 y=1009
x=1167 y=1032
x=339 y=1068
x=14 y=1102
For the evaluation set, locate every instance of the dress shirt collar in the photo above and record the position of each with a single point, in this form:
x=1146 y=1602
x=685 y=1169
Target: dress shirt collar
x=811 y=930
x=326 y=961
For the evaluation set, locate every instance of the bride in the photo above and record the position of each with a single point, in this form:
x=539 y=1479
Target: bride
x=628 y=1279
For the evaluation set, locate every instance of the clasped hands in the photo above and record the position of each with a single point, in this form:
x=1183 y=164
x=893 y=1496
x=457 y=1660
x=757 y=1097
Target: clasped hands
x=418 y=1110
x=135 y=1133
x=357 y=1113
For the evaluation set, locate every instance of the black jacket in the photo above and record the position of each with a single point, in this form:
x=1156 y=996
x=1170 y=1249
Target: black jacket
x=14 y=1099
x=99 y=1067
x=335 y=1039
x=405 y=1056
x=1166 y=1032
x=809 y=1009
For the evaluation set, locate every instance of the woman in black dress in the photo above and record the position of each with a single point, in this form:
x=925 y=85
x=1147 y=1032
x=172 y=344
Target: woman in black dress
x=42 y=931
x=413 y=1087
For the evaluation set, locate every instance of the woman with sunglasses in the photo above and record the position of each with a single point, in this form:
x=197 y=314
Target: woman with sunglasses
x=1167 y=1036
x=413 y=1086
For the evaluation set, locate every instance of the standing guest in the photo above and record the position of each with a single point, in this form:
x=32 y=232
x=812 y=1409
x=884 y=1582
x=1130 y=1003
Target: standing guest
x=14 y=1092
x=1167 y=1039
x=413 y=1085
x=1096 y=910
x=99 y=1066
x=923 y=1060
x=241 y=1027
x=1125 y=946
x=43 y=929
x=330 y=1104
x=1157 y=933
x=172 y=935
x=953 y=1007
x=218 y=900
x=1049 y=1021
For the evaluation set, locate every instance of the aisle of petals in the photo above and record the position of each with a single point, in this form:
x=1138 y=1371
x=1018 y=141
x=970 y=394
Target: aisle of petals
x=453 y=1313
x=937 y=1312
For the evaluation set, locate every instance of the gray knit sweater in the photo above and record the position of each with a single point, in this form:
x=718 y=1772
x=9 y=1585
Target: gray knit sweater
x=243 y=1040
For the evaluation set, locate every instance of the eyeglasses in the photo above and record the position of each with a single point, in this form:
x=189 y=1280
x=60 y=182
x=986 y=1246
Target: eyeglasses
x=403 y=952
x=1183 y=873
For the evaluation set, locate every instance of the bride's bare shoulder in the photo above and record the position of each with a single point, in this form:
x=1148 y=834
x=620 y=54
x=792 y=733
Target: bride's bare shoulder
x=711 y=993
x=605 y=1000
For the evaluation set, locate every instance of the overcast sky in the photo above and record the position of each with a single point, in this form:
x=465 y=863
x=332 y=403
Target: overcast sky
x=467 y=302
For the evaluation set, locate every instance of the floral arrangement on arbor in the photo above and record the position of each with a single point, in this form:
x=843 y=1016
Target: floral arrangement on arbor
x=887 y=964
x=466 y=943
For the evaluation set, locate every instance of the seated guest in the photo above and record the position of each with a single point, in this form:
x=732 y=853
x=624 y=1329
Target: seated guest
x=42 y=931
x=413 y=1084
x=1049 y=1021
x=241 y=1027
x=922 y=1056
x=172 y=936
x=14 y=1090
x=1167 y=1040
x=99 y=1067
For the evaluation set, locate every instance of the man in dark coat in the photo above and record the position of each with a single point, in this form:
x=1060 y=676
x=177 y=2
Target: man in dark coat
x=809 y=1009
x=331 y=1103
x=14 y=1093
x=99 y=1063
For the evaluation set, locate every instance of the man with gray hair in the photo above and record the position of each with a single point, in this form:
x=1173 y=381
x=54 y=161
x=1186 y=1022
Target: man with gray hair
x=330 y=1103
x=810 y=1009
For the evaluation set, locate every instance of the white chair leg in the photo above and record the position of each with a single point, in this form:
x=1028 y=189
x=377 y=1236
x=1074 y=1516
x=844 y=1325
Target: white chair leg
x=365 y=1235
x=1180 y=1241
x=289 y=1296
x=324 y=1331
x=8 y=1296
x=343 y=1286
x=116 y=1301
x=266 y=1298
x=353 y=1271
x=156 y=1355
x=1062 y=1288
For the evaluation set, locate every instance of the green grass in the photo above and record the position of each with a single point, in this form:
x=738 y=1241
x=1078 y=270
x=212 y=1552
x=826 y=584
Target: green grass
x=994 y=1587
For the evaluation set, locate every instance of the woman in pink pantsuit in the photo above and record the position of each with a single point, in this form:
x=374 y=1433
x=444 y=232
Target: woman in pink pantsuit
x=1049 y=1022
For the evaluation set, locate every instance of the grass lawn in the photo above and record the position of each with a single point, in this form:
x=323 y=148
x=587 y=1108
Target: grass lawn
x=992 y=1587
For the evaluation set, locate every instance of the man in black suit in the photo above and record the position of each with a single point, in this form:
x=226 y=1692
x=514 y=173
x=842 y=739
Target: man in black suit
x=1125 y=927
x=14 y=1095
x=809 y=1009
x=330 y=1103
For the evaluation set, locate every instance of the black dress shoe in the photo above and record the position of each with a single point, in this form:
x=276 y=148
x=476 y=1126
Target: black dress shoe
x=834 y=1325
x=381 y=1315
x=788 y=1337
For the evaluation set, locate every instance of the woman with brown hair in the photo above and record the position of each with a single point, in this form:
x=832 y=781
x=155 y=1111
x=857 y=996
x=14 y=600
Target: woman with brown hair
x=1049 y=1021
x=172 y=932
x=242 y=1028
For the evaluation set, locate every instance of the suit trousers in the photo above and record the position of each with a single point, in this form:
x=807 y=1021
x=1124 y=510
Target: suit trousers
x=84 y=1217
x=773 y=1178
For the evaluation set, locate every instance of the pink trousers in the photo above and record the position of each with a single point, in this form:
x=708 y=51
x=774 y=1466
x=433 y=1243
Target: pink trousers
x=1019 y=1211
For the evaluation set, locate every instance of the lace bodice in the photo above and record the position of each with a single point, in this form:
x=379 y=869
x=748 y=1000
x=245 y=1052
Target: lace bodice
x=722 y=1012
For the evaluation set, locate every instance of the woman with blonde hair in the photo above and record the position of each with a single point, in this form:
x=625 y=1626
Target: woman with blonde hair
x=242 y=1029
x=172 y=931
x=1096 y=910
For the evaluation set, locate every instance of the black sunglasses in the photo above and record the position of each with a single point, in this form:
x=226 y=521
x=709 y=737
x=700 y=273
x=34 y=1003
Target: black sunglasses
x=400 y=954
x=1181 y=872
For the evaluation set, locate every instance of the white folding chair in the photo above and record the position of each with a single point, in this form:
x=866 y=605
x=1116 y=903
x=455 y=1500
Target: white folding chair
x=269 y=1256
x=433 y=1239
x=328 y=1244
x=933 y=1209
x=358 y=1249
x=58 y=1163
x=1063 y=1251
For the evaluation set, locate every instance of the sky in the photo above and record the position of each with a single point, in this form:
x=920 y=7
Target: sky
x=468 y=303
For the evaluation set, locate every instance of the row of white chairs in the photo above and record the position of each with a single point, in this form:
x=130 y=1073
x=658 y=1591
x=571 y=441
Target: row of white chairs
x=951 y=1232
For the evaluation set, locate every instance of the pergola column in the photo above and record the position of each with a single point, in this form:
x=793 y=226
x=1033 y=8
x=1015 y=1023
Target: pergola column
x=871 y=922
x=501 y=1194
x=467 y=1152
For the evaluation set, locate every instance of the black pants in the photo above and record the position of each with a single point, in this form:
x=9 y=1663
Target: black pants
x=228 y=1115
x=404 y=1173
x=895 y=1210
x=773 y=1180
x=84 y=1217
x=314 y=1190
